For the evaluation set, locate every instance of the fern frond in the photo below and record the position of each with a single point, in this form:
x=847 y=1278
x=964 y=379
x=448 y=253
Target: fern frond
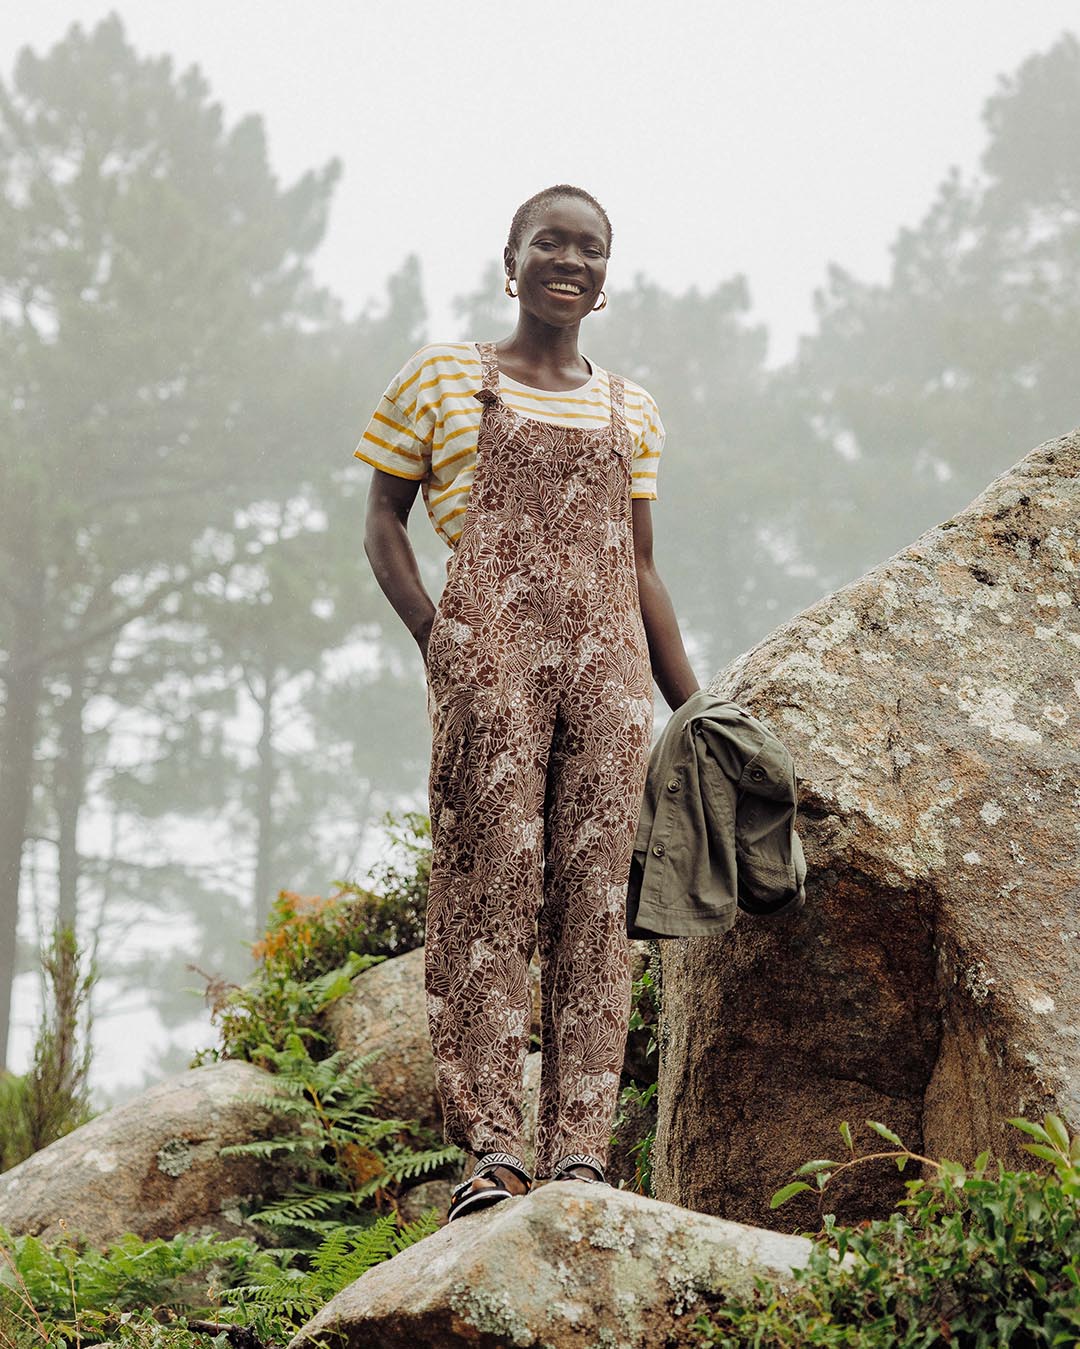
x=406 y=1165
x=304 y=1202
x=417 y=1230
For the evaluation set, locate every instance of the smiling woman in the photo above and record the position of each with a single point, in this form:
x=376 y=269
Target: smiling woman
x=537 y=468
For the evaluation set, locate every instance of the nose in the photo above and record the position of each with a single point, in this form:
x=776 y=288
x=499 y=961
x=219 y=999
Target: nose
x=570 y=258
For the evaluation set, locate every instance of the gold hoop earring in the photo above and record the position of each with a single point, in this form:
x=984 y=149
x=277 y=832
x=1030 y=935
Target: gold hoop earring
x=512 y=293
x=602 y=305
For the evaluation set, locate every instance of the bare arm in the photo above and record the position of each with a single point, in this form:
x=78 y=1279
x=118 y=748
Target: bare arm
x=386 y=543
x=671 y=668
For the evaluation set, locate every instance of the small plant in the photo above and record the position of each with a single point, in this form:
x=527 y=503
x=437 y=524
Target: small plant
x=280 y=1305
x=51 y=1099
x=174 y=1294
x=314 y=947
x=972 y=1257
x=63 y=1291
x=636 y=1098
x=257 y=1019
x=341 y=1155
x=397 y=910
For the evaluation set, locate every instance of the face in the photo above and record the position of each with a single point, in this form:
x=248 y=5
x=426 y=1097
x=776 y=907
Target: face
x=561 y=262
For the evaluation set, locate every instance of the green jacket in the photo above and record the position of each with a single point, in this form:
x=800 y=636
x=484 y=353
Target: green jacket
x=717 y=827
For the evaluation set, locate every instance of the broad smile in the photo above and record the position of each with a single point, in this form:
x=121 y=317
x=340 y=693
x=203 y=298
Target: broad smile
x=571 y=289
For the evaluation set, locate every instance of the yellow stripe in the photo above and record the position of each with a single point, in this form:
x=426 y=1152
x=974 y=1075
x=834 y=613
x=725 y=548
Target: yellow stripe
x=394 y=449
x=642 y=496
x=554 y=395
x=405 y=431
x=451 y=515
x=453 y=492
x=461 y=454
x=452 y=393
x=430 y=383
x=473 y=413
x=394 y=472
x=565 y=416
x=428 y=362
x=438 y=445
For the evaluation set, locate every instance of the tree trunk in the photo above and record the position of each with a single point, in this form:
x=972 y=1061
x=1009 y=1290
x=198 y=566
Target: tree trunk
x=69 y=780
x=264 y=810
x=23 y=695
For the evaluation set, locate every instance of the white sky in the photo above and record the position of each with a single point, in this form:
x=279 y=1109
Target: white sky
x=765 y=137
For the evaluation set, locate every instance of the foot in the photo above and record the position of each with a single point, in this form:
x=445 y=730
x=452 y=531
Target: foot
x=583 y=1172
x=496 y=1176
x=578 y=1167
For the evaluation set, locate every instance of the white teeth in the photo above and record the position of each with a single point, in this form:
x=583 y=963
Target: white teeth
x=570 y=290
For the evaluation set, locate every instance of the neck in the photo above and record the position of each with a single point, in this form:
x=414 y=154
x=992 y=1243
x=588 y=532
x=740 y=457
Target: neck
x=542 y=345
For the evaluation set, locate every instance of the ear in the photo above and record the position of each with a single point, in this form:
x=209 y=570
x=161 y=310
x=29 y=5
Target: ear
x=508 y=261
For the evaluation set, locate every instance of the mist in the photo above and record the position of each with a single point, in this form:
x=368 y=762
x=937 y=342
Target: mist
x=206 y=699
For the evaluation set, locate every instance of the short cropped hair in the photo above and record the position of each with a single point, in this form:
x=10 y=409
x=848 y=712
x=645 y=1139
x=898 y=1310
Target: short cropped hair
x=528 y=210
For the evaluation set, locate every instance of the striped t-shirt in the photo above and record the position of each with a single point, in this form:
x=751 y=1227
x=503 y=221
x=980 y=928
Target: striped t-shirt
x=427 y=422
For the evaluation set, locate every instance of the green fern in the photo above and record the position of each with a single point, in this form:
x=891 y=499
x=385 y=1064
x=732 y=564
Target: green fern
x=340 y=1155
x=409 y=1165
x=346 y=1254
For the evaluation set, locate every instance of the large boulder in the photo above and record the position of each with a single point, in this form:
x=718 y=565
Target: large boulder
x=152 y=1165
x=932 y=981
x=569 y=1265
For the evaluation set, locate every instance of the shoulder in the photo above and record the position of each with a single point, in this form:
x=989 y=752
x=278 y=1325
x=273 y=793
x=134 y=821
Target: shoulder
x=642 y=415
x=635 y=395
x=437 y=359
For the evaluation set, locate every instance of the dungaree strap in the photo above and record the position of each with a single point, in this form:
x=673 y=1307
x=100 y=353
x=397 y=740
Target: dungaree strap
x=618 y=406
x=489 y=387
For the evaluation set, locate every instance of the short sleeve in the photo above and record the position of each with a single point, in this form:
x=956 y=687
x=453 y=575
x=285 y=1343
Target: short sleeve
x=398 y=437
x=648 y=433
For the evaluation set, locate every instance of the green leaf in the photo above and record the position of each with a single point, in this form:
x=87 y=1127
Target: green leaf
x=1034 y=1130
x=1059 y=1135
x=782 y=1196
x=845 y=1134
x=808 y=1167
x=1039 y=1150
x=884 y=1132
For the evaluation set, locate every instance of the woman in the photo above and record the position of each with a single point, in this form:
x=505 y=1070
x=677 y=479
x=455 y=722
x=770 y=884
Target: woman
x=538 y=469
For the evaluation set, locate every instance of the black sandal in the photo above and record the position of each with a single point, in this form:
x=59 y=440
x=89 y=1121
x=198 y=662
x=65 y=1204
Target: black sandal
x=562 y=1169
x=464 y=1199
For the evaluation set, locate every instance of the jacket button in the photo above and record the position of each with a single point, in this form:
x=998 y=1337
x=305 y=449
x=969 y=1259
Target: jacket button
x=757 y=774
x=673 y=784
x=658 y=850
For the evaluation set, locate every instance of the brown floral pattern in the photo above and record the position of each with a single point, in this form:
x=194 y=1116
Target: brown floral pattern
x=540 y=694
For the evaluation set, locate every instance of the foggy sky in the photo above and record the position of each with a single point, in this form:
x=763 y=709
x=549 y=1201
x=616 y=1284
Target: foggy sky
x=765 y=138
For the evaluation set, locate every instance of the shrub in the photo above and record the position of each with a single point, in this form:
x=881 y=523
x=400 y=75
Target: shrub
x=341 y=1158
x=314 y=947
x=173 y=1294
x=972 y=1258
x=51 y=1099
